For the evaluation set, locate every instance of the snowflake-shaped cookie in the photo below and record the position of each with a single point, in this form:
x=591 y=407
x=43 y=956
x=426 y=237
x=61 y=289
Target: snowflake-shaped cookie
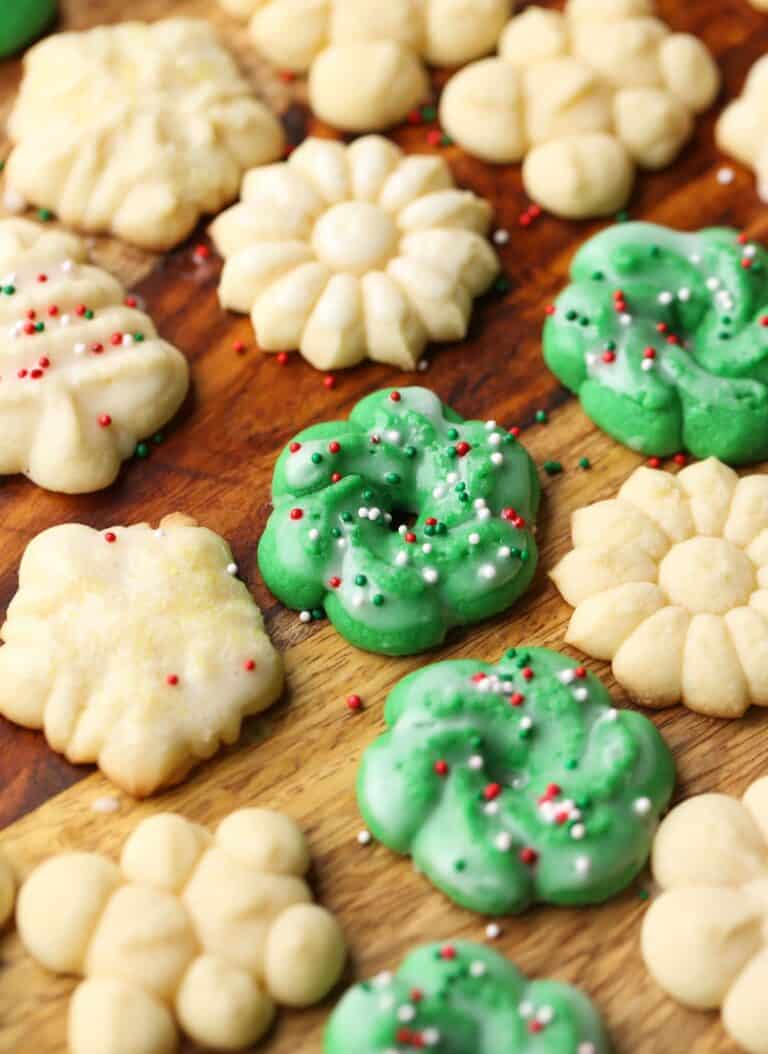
x=83 y=373
x=136 y=129
x=195 y=932
x=705 y=939
x=582 y=96
x=668 y=581
x=348 y=252
x=742 y=129
x=137 y=649
x=377 y=47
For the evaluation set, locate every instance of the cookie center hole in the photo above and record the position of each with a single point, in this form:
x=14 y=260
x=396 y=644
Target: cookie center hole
x=403 y=518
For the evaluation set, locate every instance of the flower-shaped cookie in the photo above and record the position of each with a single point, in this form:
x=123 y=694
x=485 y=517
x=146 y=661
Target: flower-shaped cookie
x=83 y=373
x=402 y=522
x=136 y=129
x=195 y=932
x=662 y=335
x=668 y=580
x=376 y=46
x=705 y=938
x=353 y=251
x=515 y=783
x=742 y=129
x=583 y=97
x=7 y=889
x=137 y=649
x=466 y=999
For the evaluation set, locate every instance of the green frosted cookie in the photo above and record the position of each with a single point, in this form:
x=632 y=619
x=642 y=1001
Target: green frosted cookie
x=664 y=337
x=463 y=998
x=21 y=21
x=401 y=522
x=515 y=783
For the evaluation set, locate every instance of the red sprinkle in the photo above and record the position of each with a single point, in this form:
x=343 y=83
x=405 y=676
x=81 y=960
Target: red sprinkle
x=53 y=311
x=649 y=353
x=130 y=301
x=282 y=358
x=249 y=665
x=294 y=447
x=335 y=477
x=517 y=699
x=535 y=1026
x=97 y=348
x=296 y=514
x=448 y=952
x=661 y=327
x=528 y=856
x=430 y=521
x=764 y=320
x=416 y=995
x=434 y=135
x=110 y=537
x=329 y=381
x=29 y=327
x=80 y=309
x=609 y=356
x=441 y=768
x=527 y=673
x=172 y=680
x=462 y=448
x=742 y=239
x=201 y=252
x=654 y=462
x=36 y=374
x=287 y=76
x=42 y=278
x=493 y=790
x=354 y=702
x=45 y=362
x=115 y=339
x=410 y=537
x=105 y=420
x=580 y=672
x=238 y=347
x=334 y=447
x=21 y=374
x=514 y=431
x=550 y=309
x=334 y=582
x=395 y=397
x=680 y=459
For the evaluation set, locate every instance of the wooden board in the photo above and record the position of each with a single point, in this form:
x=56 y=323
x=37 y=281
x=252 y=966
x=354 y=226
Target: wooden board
x=216 y=464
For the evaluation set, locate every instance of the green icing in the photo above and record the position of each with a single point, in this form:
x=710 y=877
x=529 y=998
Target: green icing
x=697 y=300
x=21 y=21
x=463 y=998
x=335 y=538
x=515 y=783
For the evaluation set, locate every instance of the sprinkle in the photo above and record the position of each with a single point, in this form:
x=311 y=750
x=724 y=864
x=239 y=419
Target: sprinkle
x=541 y=417
x=430 y=575
x=654 y=462
x=528 y=856
x=354 y=702
x=477 y=968
x=475 y=761
x=395 y=397
x=578 y=831
x=305 y=616
x=329 y=382
x=249 y=665
x=172 y=680
x=501 y=236
x=642 y=806
x=232 y=569
x=725 y=176
x=493 y=931
x=582 y=865
x=441 y=767
x=487 y=571
x=503 y=841
x=406 y=1013
x=104 y=420
x=282 y=358
x=552 y=468
x=201 y=253
x=448 y=952
x=110 y=537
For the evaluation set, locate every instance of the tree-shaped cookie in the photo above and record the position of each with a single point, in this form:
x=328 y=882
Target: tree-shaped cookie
x=136 y=129
x=705 y=938
x=515 y=783
x=83 y=373
x=663 y=336
x=401 y=522
x=354 y=252
x=135 y=648
x=582 y=97
x=195 y=932
x=467 y=999
x=377 y=47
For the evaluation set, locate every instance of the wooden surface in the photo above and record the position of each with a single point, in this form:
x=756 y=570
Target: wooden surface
x=216 y=464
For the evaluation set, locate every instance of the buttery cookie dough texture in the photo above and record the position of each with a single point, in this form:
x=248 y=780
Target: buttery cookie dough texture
x=354 y=252
x=192 y=932
x=136 y=649
x=742 y=129
x=670 y=581
x=705 y=938
x=136 y=129
x=366 y=57
x=581 y=98
x=83 y=375
x=7 y=889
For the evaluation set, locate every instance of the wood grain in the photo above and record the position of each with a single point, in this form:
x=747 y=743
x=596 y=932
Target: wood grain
x=216 y=464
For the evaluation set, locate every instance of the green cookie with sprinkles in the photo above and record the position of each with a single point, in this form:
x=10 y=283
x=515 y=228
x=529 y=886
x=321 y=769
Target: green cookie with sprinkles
x=664 y=337
x=515 y=783
x=463 y=998
x=21 y=21
x=401 y=522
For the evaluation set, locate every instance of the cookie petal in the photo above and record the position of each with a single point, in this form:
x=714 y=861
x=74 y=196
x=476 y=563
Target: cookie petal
x=592 y=569
x=649 y=664
x=616 y=522
x=660 y=496
x=601 y=623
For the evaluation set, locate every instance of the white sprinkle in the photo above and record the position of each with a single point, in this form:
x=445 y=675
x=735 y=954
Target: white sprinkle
x=67 y=265
x=305 y=616
x=695 y=258
x=749 y=251
x=364 y=837
x=362 y=512
x=611 y=715
x=503 y=841
x=394 y=436
x=545 y=1015
x=578 y=831
x=626 y=320
x=525 y=1009
x=501 y=236
x=438 y=492
x=684 y=294
x=430 y=575
x=426 y=548
x=480 y=503
x=402 y=529
x=484 y=514
x=382 y=979
x=504 y=553
x=490 y=425
x=401 y=558
x=725 y=176
x=642 y=806
x=666 y=297
x=487 y=571
x=591 y=358
x=567 y=676
x=476 y=761
x=314 y=534
x=582 y=865
x=474 y=538
x=159 y=533
x=79 y=349
x=492 y=931
x=108 y=803
x=581 y=694
x=497 y=458
x=406 y=1013
x=431 y=1036
x=646 y=365
x=494 y=439
x=127 y=340
x=374 y=513
x=232 y=569
x=14 y=201
x=586 y=1048
x=358 y=599
x=64 y=320
x=423 y=365
x=491 y=808
x=526 y=722
x=713 y=283
x=452 y=477
x=477 y=968
x=342 y=543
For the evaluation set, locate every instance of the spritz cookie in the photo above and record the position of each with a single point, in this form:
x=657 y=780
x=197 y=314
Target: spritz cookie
x=742 y=129
x=201 y=933
x=134 y=648
x=354 y=252
x=83 y=373
x=136 y=129
x=582 y=97
x=704 y=937
x=467 y=999
x=669 y=581
x=341 y=537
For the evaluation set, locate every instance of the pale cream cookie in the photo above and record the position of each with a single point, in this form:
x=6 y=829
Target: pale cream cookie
x=7 y=889
x=83 y=373
x=670 y=581
x=705 y=938
x=742 y=129
x=194 y=932
x=348 y=252
x=134 y=648
x=582 y=97
x=136 y=129
x=380 y=48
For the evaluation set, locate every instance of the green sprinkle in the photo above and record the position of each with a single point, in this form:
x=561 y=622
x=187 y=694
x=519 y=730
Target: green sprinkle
x=553 y=468
x=571 y=764
x=441 y=528
x=460 y=865
x=461 y=486
x=39 y=327
x=44 y=215
x=138 y=337
x=542 y=416
x=316 y=458
x=726 y=320
x=317 y=614
x=610 y=345
x=522 y=660
x=347 y=517
x=655 y=251
x=452 y=433
x=571 y=316
x=584 y=801
x=378 y=599
x=89 y=314
x=622 y=216
x=502 y=284
x=585 y=463
x=451 y=451
x=410 y=451
x=598 y=276
x=368 y=494
x=584 y=320
x=335 y=532
x=429 y=530
x=142 y=450
x=524 y=555
x=464 y=497
x=515 y=552
x=9 y=290
x=724 y=336
x=643 y=894
x=525 y=733
x=428 y=113
x=445 y=140
x=361 y=580
x=510 y=653
x=158 y=438
x=392 y=477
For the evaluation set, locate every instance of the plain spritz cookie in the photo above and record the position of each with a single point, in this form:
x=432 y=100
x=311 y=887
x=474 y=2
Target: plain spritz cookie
x=201 y=933
x=136 y=129
x=742 y=129
x=134 y=648
x=354 y=252
x=670 y=581
x=377 y=47
x=83 y=373
x=705 y=938
x=582 y=97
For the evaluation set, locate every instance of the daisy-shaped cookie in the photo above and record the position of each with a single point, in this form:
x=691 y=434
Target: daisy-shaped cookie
x=136 y=129
x=705 y=938
x=83 y=373
x=137 y=649
x=348 y=252
x=668 y=581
